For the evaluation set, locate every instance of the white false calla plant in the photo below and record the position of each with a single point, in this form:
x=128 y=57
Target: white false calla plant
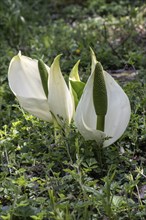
x=103 y=111
x=40 y=90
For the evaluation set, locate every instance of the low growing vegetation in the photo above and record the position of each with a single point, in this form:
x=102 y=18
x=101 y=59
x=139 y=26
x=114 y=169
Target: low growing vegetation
x=45 y=179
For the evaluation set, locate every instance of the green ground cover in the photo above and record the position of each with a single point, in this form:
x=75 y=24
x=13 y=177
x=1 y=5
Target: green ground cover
x=44 y=180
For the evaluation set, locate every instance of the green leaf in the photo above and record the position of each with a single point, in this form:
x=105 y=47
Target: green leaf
x=74 y=75
x=76 y=100
x=44 y=76
x=77 y=87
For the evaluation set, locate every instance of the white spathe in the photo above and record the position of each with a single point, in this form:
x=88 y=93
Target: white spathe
x=60 y=100
x=25 y=82
x=118 y=112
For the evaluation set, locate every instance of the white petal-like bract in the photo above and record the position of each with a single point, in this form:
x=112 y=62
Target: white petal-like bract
x=60 y=100
x=117 y=116
x=25 y=82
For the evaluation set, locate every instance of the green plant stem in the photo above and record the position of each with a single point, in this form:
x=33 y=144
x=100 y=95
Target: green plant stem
x=56 y=132
x=68 y=152
x=98 y=154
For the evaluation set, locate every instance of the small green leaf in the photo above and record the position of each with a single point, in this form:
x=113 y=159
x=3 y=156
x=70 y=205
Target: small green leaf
x=74 y=75
x=44 y=76
x=94 y=61
x=78 y=88
x=76 y=100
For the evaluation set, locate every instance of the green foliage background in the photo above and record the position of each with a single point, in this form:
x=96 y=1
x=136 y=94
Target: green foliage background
x=41 y=179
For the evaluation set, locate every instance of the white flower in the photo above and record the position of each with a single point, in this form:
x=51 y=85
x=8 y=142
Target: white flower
x=60 y=100
x=25 y=82
x=116 y=109
x=42 y=91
